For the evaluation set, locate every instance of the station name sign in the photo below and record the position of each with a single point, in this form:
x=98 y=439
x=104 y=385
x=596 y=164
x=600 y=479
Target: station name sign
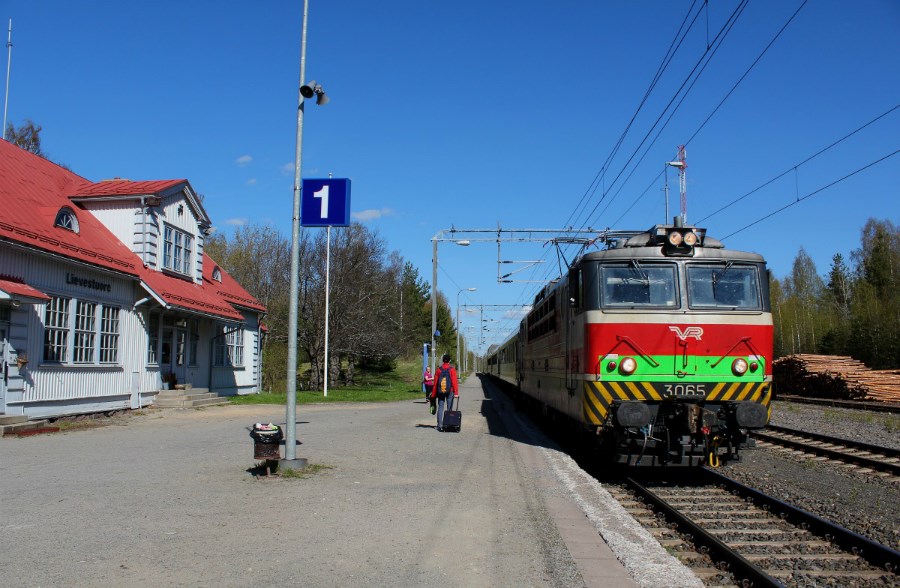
x=88 y=283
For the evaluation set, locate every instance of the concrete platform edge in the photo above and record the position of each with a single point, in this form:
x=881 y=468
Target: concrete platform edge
x=607 y=544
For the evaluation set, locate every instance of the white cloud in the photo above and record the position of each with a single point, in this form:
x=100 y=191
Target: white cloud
x=287 y=169
x=371 y=214
x=251 y=181
x=243 y=160
x=237 y=222
x=516 y=314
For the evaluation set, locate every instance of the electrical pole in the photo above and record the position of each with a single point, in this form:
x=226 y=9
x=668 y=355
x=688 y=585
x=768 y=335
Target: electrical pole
x=8 y=65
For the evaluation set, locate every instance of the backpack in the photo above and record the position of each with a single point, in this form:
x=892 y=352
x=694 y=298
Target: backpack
x=444 y=383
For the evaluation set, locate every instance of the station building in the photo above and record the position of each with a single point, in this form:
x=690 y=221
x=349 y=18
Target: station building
x=107 y=297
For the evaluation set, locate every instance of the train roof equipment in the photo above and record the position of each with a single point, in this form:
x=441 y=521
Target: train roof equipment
x=665 y=241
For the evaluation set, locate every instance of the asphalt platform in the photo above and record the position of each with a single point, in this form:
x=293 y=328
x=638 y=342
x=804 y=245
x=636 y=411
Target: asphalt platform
x=168 y=498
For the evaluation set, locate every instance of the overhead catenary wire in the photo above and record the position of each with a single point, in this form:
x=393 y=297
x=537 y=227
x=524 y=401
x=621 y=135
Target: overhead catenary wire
x=711 y=114
x=689 y=81
x=813 y=193
x=807 y=160
x=749 y=69
x=679 y=38
x=664 y=64
x=667 y=59
x=726 y=28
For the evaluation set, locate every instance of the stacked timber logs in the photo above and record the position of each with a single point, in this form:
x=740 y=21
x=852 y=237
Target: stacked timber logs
x=834 y=376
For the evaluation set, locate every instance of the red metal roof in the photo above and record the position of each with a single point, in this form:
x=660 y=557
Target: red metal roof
x=13 y=287
x=189 y=295
x=119 y=187
x=32 y=191
x=229 y=288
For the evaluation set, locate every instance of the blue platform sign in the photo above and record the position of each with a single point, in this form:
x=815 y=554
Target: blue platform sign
x=325 y=202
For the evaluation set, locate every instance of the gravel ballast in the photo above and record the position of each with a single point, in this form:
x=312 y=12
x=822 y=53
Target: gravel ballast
x=863 y=502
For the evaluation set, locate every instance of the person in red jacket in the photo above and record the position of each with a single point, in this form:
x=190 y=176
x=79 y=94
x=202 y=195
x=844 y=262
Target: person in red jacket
x=446 y=389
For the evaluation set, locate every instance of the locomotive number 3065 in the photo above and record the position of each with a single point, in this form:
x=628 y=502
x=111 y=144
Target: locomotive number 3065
x=685 y=389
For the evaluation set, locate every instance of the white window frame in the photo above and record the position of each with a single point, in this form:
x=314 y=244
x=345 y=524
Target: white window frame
x=178 y=250
x=153 y=321
x=66 y=219
x=229 y=347
x=193 y=342
x=109 y=334
x=85 y=332
x=81 y=332
x=56 y=330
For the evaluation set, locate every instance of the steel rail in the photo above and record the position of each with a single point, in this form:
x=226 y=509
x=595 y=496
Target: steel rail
x=865 y=461
x=886 y=451
x=880 y=556
x=745 y=572
x=852 y=404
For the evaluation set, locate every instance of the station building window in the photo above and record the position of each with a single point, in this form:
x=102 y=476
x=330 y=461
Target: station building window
x=56 y=329
x=109 y=335
x=177 y=250
x=153 y=339
x=66 y=219
x=88 y=338
x=229 y=347
x=194 y=346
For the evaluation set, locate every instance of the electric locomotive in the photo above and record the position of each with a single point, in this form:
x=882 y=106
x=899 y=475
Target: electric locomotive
x=659 y=346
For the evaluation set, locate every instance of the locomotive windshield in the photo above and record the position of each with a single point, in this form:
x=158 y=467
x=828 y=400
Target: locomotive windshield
x=636 y=284
x=728 y=285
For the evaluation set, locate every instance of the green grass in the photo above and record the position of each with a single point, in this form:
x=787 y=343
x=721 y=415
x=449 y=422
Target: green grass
x=309 y=470
x=891 y=423
x=401 y=383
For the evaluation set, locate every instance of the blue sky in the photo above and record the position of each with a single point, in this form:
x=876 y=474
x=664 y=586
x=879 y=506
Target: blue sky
x=473 y=114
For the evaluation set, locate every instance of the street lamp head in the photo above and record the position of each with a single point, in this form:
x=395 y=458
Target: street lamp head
x=463 y=242
x=313 y=89
x=472 y=289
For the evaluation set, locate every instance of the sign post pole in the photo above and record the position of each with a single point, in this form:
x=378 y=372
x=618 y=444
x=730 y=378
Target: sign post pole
x=326 y=203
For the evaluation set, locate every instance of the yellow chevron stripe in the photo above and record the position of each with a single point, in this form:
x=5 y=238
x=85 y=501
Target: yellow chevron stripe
x=594 y=409
x=605 y=397
x=729 y=394
x=618 y=391
x=747 y=389
x=638 y=393
x=757 y=393
x=651 y=392
x=712 y=395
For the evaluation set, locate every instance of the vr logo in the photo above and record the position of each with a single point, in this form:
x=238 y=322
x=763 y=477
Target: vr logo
x=695 y=332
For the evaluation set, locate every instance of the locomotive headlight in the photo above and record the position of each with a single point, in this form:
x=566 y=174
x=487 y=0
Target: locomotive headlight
x=739 y=366
x=675 y=238
x=690 y=238
x=627 y=366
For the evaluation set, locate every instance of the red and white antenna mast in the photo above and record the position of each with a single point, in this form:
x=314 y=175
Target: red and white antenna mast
x=681 y=164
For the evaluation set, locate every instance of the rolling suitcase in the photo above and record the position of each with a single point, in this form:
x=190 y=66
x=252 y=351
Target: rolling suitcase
x=452 y=420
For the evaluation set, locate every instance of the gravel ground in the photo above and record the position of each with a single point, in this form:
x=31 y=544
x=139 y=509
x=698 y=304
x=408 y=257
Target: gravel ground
x=166 y=499
x=864 y=503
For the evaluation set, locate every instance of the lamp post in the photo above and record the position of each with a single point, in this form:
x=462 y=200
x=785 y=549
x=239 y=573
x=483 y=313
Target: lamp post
x=290 y=460
x=469 y=328
x=434 y=268
x=461 y=290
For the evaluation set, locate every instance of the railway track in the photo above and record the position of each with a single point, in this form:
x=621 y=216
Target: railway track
x=854 y=404
x=731 y=534
x=873 y=457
